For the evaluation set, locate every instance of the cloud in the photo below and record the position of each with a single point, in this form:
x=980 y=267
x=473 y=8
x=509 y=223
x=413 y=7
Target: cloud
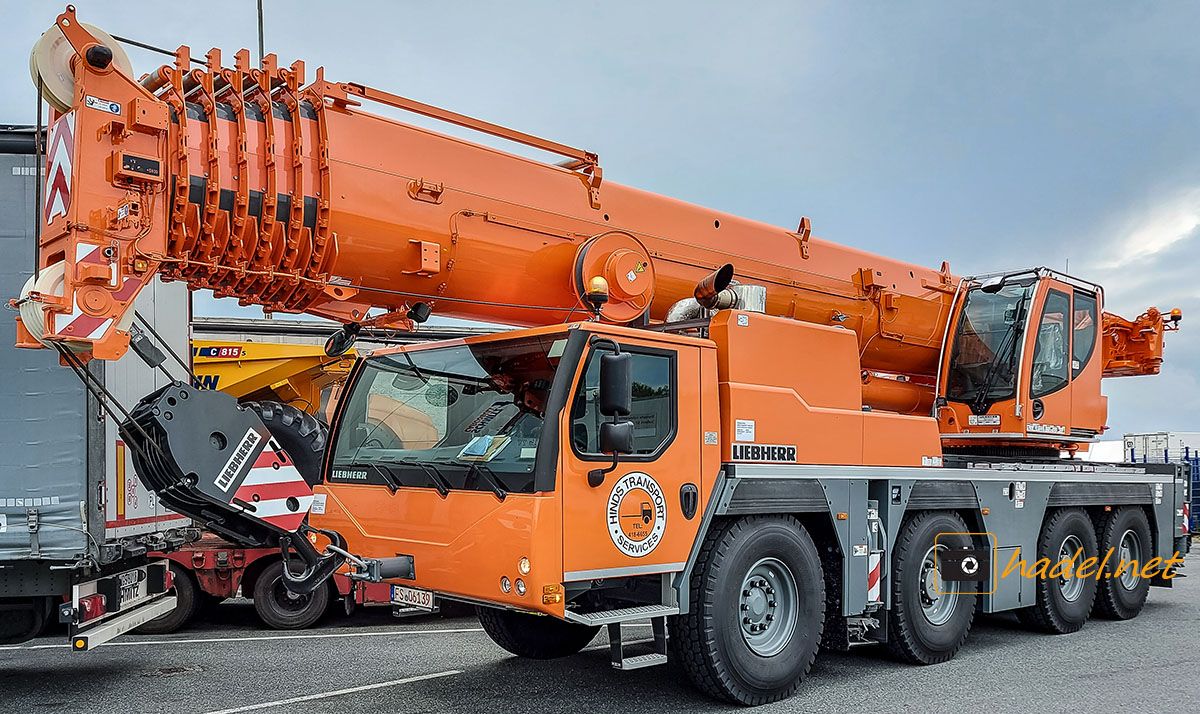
x=1156 y=229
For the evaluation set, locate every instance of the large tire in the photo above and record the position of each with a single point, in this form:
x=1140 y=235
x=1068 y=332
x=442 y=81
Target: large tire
x=298 y=432
x=535 y=636
x=282 y=609
x=930 y=618
x=1063 y=604
x=1126 y=531
x=188 y=598
x=770 y=565
x=22 y=619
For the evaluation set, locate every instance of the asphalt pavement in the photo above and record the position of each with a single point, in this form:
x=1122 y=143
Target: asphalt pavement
x=371 y=662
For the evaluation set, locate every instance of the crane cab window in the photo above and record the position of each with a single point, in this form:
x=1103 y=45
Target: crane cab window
x=1050 y=364
x=1083 y=343
x=653 y=415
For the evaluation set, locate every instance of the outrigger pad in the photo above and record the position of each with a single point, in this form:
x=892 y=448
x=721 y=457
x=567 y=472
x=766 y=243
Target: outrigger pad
x=212 y=460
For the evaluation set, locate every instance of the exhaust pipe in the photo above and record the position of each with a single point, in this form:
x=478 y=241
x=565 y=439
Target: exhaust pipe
x=716 y=292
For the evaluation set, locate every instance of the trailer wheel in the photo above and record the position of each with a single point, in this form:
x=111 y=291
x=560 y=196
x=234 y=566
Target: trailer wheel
x=757 y=611
x=187 y=604
x=534 y=636
x=1127 y=532
x=930 y=618
x=1063 y=604
x=22 y=619
x=298 y=432
x=283 y=609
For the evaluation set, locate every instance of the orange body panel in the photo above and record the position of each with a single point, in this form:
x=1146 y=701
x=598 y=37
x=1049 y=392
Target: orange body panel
x=790 y=383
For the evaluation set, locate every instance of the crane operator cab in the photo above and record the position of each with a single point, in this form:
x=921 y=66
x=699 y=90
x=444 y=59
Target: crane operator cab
x=1023 y=365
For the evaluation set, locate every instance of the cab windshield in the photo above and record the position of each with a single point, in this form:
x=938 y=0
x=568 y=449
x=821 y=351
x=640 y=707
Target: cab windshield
x=464 y=417
x=984 y=361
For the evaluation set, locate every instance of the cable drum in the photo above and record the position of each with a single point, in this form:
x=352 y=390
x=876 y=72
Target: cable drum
x=50 y=62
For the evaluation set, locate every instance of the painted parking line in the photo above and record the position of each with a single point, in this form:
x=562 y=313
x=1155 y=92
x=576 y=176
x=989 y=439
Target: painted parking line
x=254 y=638
x=337 y=692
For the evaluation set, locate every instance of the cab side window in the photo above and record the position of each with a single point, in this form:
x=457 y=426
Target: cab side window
x=653 y=414
x=1083 y=344
x=1051 y=369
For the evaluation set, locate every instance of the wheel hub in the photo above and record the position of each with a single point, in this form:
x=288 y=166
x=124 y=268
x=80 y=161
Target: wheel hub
x=768 y=606
x=1071 y=587
x=938 y=599
x=1130 y=551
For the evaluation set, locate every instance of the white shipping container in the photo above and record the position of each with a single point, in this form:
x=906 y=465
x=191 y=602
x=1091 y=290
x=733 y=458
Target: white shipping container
x=1160 y=446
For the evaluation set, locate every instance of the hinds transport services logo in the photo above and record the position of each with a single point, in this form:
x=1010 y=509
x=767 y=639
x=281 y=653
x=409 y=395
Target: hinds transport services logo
x=637 y=514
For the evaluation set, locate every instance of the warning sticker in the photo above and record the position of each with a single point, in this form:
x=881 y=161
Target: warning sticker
x=743 y=430
x=103 y=105
x=318 y=504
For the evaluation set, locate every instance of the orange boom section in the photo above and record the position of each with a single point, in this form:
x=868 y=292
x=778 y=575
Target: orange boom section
x=250 y=182
x=245 y=181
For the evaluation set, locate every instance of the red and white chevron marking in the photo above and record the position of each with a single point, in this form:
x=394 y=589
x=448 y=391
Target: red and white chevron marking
x=272 y=481
x=873 y=578
x=83 y=325
x=60 y=144
x=1187 y=519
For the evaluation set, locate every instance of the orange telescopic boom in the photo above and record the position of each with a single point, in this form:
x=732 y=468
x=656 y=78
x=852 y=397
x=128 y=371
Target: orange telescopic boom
x=249 y=182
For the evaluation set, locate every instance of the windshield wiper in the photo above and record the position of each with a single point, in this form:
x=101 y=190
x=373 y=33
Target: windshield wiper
x=435 y=477
x=486 y=473
x=1003 y=354
x=392 y=484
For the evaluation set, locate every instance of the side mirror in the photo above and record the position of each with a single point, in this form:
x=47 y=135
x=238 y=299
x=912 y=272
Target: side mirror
x=616 y=385
x=616 y=437
x=991 y=286
x=340 y=342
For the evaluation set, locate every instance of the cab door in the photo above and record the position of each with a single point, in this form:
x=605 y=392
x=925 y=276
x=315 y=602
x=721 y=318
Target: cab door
x=1046 y=382
x=634 y=521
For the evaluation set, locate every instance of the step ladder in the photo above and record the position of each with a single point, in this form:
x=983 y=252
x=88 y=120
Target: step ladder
x=613 y=619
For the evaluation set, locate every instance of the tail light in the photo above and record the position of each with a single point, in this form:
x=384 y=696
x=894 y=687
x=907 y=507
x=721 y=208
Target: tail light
x=91 y=607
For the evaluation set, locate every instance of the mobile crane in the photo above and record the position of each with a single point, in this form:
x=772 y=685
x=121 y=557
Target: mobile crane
x=764 y=441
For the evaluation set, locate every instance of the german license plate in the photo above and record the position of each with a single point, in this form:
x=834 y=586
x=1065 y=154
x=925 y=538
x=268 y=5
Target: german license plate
x=412 y=597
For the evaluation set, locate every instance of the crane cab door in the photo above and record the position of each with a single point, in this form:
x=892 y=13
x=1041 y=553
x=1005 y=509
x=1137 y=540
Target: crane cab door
x=633 y=522
x=1060 y=385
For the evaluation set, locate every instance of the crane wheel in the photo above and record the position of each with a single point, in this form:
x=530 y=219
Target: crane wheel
x=757 y=611
x=298 y=432
x=282 y=609
x=1063 y=604
x=187 y=604
x=535 y=636
x=1125 y=530
x=930 y=618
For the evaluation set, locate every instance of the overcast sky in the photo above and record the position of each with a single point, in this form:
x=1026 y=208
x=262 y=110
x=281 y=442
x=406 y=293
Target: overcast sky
x=991 y=135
